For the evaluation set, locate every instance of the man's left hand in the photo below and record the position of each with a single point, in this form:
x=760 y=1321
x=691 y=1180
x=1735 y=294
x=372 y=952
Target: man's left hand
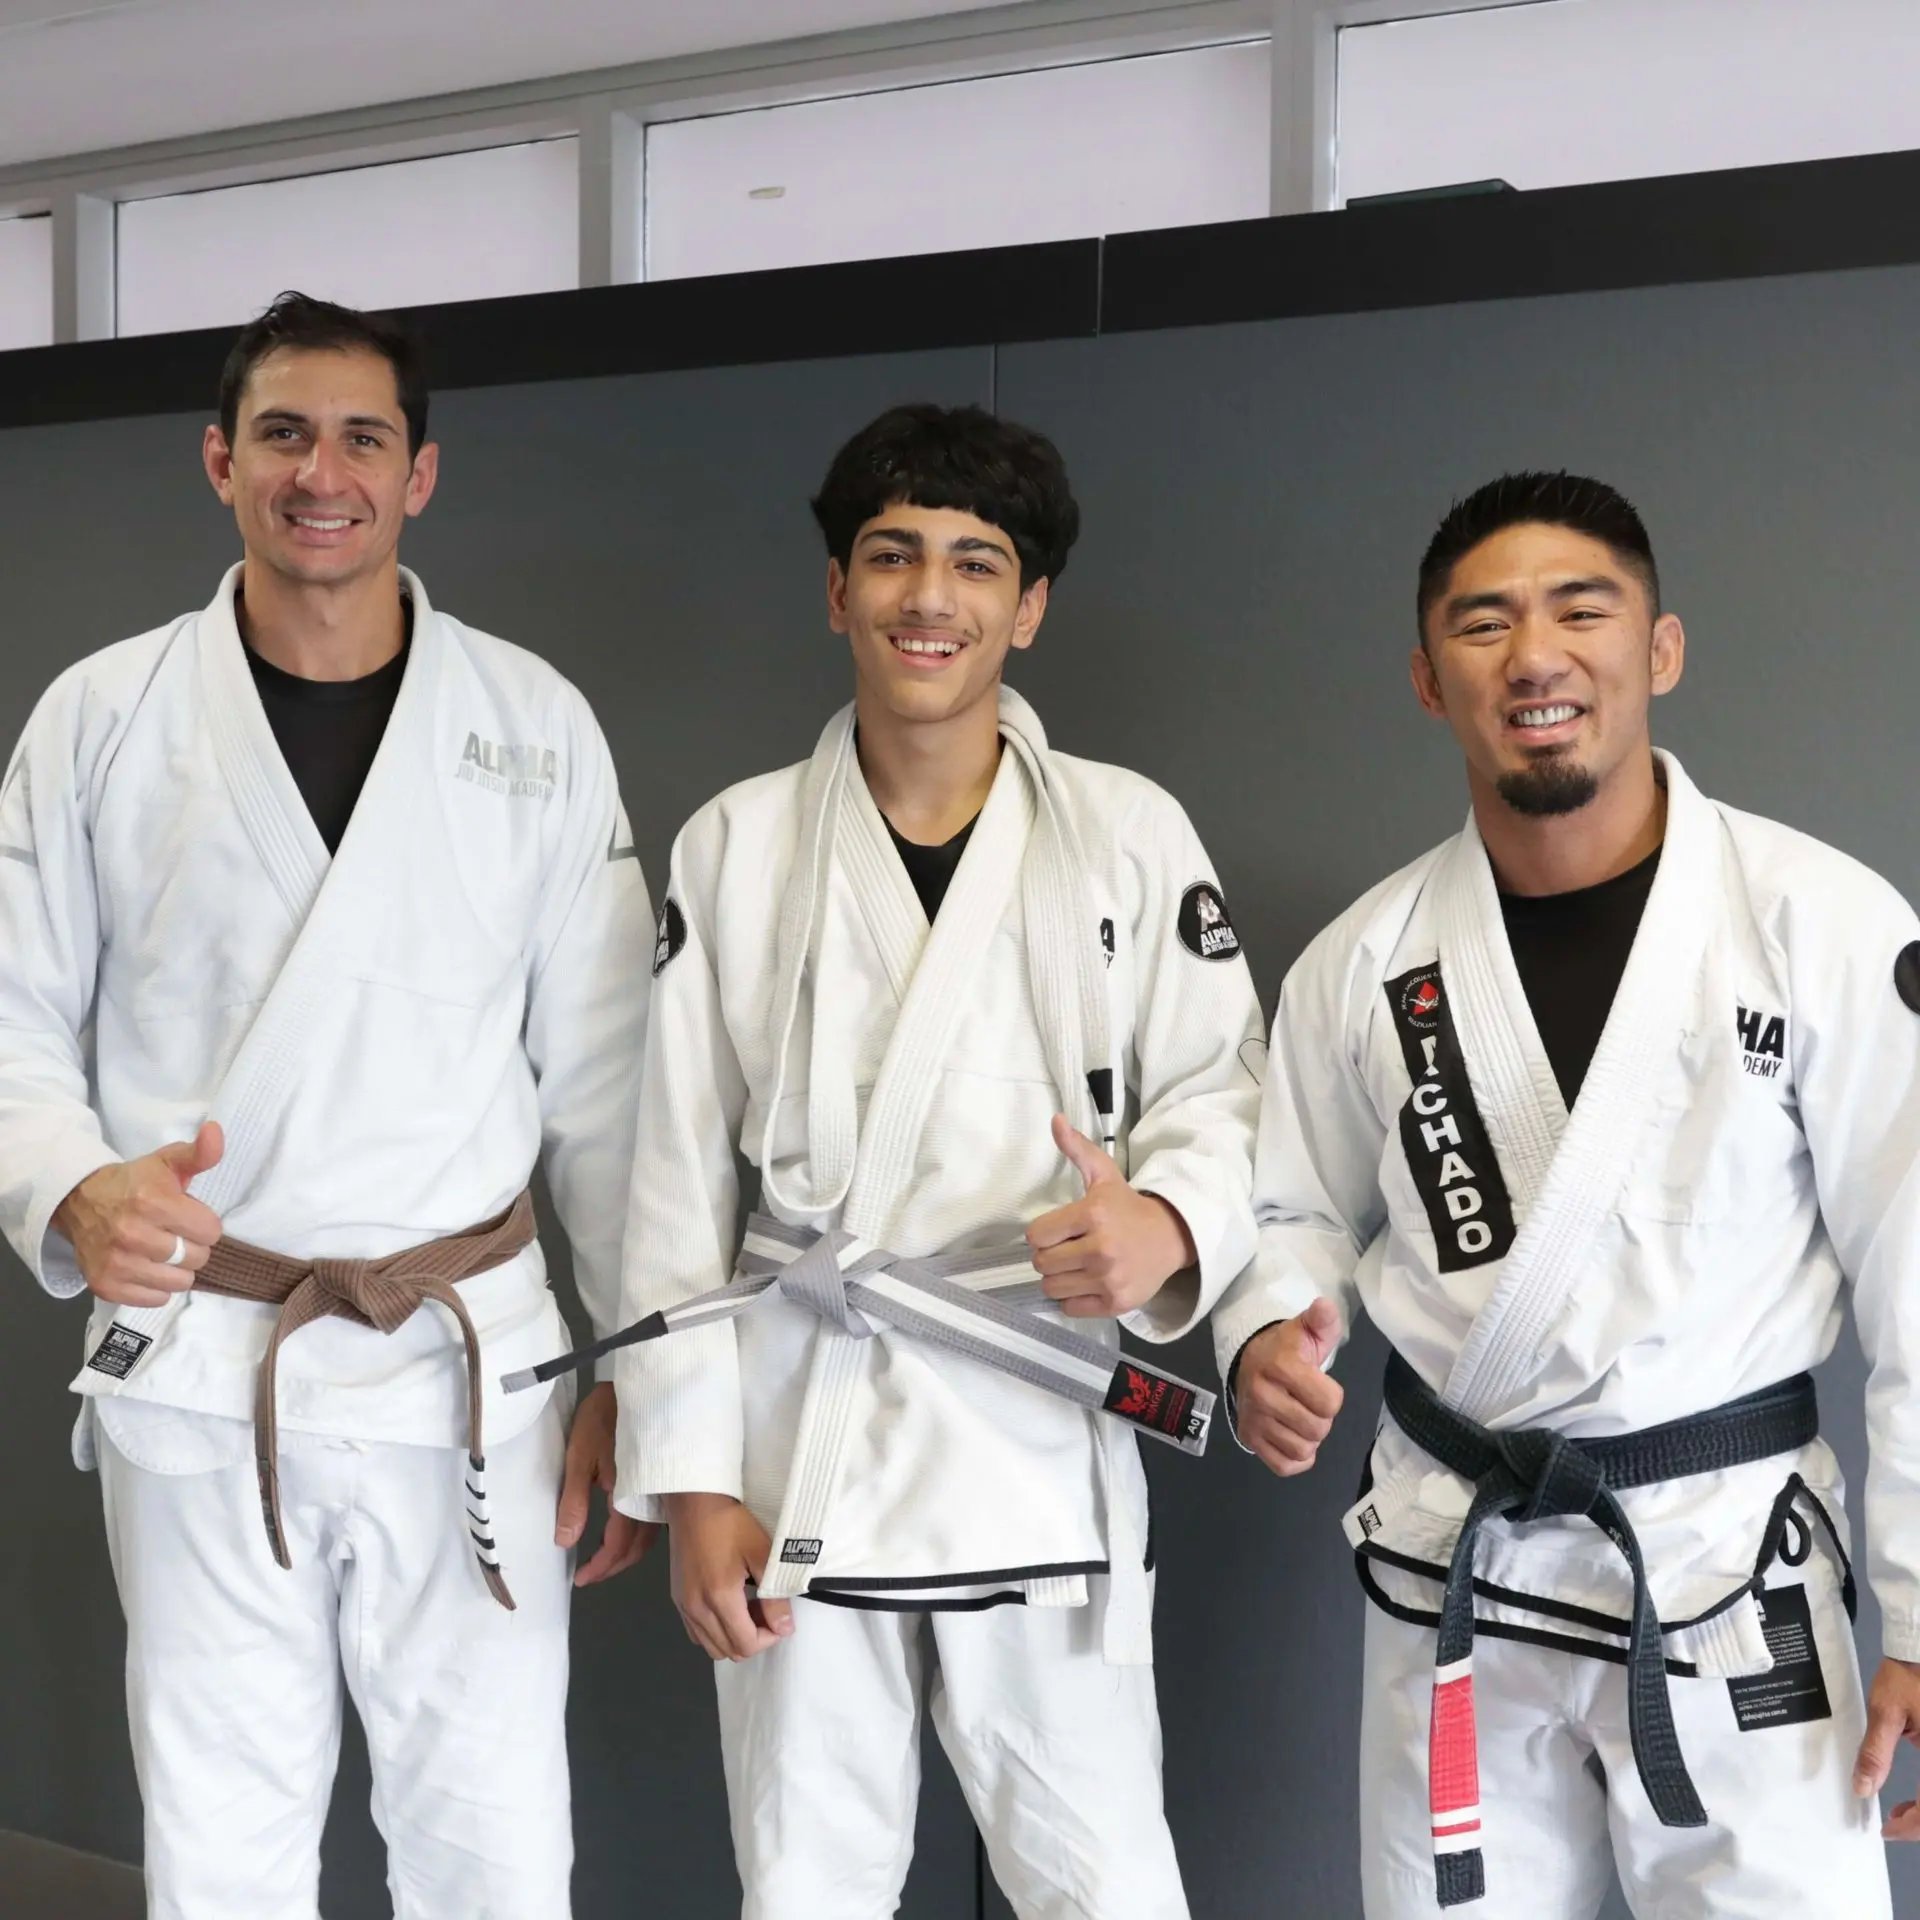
x=1112 y=1251
x=1893 y=1715
x=590 y=1465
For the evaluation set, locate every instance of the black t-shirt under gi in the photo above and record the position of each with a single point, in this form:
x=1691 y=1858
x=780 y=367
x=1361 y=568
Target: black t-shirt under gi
x=931 y=868
x=1570 y=950
x=328 y=731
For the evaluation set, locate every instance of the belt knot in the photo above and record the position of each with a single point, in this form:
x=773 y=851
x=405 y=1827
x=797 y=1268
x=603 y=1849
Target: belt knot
x=818 y=1281
x=1556 y=1475
x=386 y=1301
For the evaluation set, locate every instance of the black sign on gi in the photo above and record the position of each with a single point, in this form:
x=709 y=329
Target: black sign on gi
x=1796 y=1689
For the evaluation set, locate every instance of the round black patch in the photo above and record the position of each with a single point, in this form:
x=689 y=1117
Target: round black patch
x=1206 y=928
x=671 y=936
x=1906 y=974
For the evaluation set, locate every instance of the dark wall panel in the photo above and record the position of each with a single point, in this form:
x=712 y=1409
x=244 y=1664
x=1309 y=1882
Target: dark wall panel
x=1235 y=624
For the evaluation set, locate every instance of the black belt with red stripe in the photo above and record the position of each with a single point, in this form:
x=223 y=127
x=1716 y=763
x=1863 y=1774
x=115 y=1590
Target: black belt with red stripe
x=1539 y=1475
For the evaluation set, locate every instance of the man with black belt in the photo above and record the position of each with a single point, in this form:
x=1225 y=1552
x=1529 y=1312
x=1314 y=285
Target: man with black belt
x=1594 y=1108
x=318 y=921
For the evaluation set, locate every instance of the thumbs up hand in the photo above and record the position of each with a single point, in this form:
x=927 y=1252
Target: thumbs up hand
x=128 y=1221
x=1113 y=1250
x=1285 y=1399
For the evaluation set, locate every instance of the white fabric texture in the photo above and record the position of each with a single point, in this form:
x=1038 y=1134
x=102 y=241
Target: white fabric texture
x=389 y=1038
x=234 y=1671
x=909 y=1097
x=1057 y=1753
x=1744 y=1145
x=1561 y=1801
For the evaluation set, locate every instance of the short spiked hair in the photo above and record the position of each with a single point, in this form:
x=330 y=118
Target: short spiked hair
x=1568 y=500
x=964 y=458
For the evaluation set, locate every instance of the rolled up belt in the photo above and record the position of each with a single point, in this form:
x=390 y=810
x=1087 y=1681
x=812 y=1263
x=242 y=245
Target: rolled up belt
x=384 y=1294
x=1538 y=1475
x=978 y=1304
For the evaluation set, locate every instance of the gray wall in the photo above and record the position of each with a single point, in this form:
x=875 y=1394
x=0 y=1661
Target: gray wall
x=1235 y=624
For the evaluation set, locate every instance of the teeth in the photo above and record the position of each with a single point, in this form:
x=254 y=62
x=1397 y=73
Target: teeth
x=943 y=647
x=1545 y=716
x=325 y=526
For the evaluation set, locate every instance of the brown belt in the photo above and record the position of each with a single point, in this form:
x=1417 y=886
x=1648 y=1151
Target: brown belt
x=385 y=1294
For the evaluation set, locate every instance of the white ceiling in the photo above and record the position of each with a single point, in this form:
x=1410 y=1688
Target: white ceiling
x=80 y=75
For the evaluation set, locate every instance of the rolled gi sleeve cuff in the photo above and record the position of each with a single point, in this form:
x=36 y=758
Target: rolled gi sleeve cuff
x=1223 y=1238
x=1900 y=1635
x=47 y=1253
x=1237 y=1319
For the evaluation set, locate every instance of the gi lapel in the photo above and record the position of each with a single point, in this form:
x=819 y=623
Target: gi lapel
x=888 y=903
x=950 y=961
x=324 y=900
x=1561 y=1195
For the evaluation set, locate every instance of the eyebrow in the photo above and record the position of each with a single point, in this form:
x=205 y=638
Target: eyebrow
x=1597 y=586
x=290 y=417
x=908 y=537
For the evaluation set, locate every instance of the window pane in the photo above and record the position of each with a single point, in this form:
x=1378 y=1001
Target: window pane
x=1163 y=140
x=26 y=283
x=459 y=227
x=1544 y=96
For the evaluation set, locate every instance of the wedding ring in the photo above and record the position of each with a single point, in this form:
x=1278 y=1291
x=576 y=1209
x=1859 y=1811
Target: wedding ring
x=179 y=1252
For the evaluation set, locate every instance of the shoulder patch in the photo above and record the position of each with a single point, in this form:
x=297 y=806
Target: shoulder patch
x=1906 y=974
x=671 y=936
x=1205 y=926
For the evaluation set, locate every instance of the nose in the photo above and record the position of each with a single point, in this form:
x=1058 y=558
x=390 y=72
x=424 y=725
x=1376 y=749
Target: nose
x=1536 y=653
x=322 y=471
x=929 y=592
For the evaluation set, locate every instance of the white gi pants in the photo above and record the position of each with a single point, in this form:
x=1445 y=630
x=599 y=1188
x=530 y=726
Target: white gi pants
x=234 y=1669
x=1561 y=1804
x=1058 y=1755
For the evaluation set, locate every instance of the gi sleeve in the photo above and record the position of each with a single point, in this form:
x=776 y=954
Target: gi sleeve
x=682 y=1426
x=1191 y=1063
x=1316 y=1171
x=50 y=1138
x=587 y=1016
x=1855 y=1045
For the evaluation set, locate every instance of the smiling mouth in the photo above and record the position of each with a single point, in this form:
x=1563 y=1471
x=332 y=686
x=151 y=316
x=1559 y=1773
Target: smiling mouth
x=1546 y=717
x=321 y=523
x=929 y=647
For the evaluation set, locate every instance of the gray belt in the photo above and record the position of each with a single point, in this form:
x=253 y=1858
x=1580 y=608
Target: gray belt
x=977 y=1304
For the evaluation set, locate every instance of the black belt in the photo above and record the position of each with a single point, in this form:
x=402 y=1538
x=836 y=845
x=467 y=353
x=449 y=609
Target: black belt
x=1538 y=1475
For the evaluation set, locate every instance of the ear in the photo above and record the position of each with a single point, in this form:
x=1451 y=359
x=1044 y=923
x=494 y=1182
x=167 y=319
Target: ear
x=423 y=479
x=217 y=457
x=1426 y=682
x=1669 y=652
x=1032 y=610
x=836 y=596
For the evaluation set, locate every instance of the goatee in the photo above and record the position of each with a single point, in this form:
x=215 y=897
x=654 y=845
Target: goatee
x=1547 y=787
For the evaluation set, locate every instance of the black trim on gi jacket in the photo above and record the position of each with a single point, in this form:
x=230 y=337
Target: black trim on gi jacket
x=1808 y=217
x=1012 y=1597
x=879 y=1583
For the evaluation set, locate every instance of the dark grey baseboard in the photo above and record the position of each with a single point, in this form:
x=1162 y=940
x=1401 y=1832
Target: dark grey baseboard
x=39 y=1881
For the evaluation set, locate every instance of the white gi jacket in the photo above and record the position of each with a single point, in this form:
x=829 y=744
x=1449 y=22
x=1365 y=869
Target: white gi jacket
x=959 y=1483
x=1744 y=1141
x=389 y=1038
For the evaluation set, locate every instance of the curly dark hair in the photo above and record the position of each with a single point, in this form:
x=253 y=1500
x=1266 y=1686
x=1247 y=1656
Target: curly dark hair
x=960 y=457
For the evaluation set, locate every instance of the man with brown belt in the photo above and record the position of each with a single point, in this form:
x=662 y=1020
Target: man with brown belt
x=318 y=922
